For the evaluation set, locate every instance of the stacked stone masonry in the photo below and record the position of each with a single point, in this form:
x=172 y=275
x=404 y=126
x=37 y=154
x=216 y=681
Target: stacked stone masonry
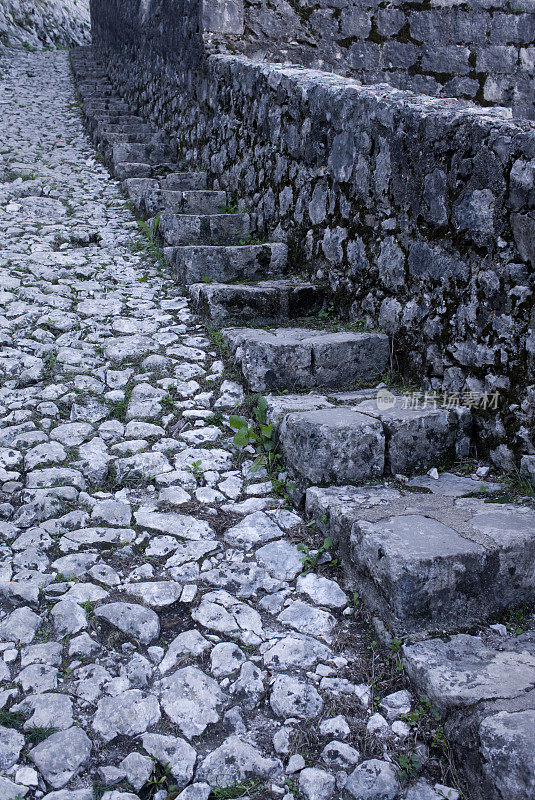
x=482 y=50
x=419 y=213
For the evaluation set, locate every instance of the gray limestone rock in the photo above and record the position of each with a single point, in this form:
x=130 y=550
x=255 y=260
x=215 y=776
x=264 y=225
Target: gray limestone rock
x=373 y=780
x=463 y=671
x=132 y=619
x=184 y=646
x=281 y=559
x=192 y=700
x=10 y=790
x=507 y=747
x=128 y=713
x=256 y=528
x=234 y=760
x=11 y=743
x=291 y=697
x=336 y=445
x=68 y=617
x=321 y=590
x=60 y=757
x=294 y=651
x=20 y=626
x=172 y=751
x=220 y=611
x=316 y=784
x=137 y=768
x=226 y=658
x=306 y=618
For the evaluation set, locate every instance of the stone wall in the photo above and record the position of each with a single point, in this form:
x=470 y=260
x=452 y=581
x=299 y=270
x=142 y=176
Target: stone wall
x=39 y=23
x=482 y=50
x=419 y=212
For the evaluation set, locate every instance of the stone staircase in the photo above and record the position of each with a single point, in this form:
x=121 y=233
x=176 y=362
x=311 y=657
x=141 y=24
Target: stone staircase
x=426 y=554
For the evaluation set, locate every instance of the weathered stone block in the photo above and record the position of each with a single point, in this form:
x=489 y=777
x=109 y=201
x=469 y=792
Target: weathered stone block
x=447 y=59
x=182 y=202
x=227 y=263
x=336 y=445
x=420 y=438
x=508 y=752
x=203 y=229
x=463 y=671
x=266 y=303
x=286 y=358
x=222 y=16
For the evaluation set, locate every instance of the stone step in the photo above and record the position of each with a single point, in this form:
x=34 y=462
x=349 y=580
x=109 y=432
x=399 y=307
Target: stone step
x=93 y=90
x=301 y=358
x=484 y=686
x=136 y=188
x=111 y=139
x=361 y=440
x=117 y=134
x=226 y=263
x=152 y=201
x=203 y=229
x=151 y=152
x=155 y=171
x=423 y=562
x=185 y=181
x=174 y=181
x=103 y=109
x=262 y=303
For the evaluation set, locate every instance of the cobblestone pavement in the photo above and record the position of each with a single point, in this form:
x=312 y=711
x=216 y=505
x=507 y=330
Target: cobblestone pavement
x=155 y=628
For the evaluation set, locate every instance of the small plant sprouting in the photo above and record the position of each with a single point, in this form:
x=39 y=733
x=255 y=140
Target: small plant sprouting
x=234 y=790
x=159 y=779
x=516 y=621
x=35 y=735
x=147 y=244
x=197 y=470
x=229 y=208
x=169 y=399
x=49 y=362
x=12 y=719
x=89 y=608
x=408 y=766
x=260 y=436
x=310 y=560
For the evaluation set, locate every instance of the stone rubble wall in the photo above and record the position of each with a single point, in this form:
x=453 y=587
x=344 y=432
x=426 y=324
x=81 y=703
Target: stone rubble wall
x=481 y=50
x=420 y=212
x=45 y=23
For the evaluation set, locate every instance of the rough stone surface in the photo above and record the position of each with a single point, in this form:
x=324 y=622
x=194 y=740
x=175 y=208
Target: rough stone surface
x=105 y=369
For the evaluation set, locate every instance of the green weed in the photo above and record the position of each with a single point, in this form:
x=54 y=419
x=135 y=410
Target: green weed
x=35 y=734
x=310 y=560
x=260 y=435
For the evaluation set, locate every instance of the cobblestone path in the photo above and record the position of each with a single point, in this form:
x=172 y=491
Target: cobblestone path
x=157 y=635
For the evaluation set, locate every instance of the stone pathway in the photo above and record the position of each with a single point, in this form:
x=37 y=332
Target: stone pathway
x=158 y=636
x=154 y=631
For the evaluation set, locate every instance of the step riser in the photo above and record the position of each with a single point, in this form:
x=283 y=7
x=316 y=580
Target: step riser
x=155 y=153
x=248 y=262
x=224 y=305
x=424 y=563
x=185 y=181
x=326 y=448
x=181 y=202
x=332 y=360
x=214 y=229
